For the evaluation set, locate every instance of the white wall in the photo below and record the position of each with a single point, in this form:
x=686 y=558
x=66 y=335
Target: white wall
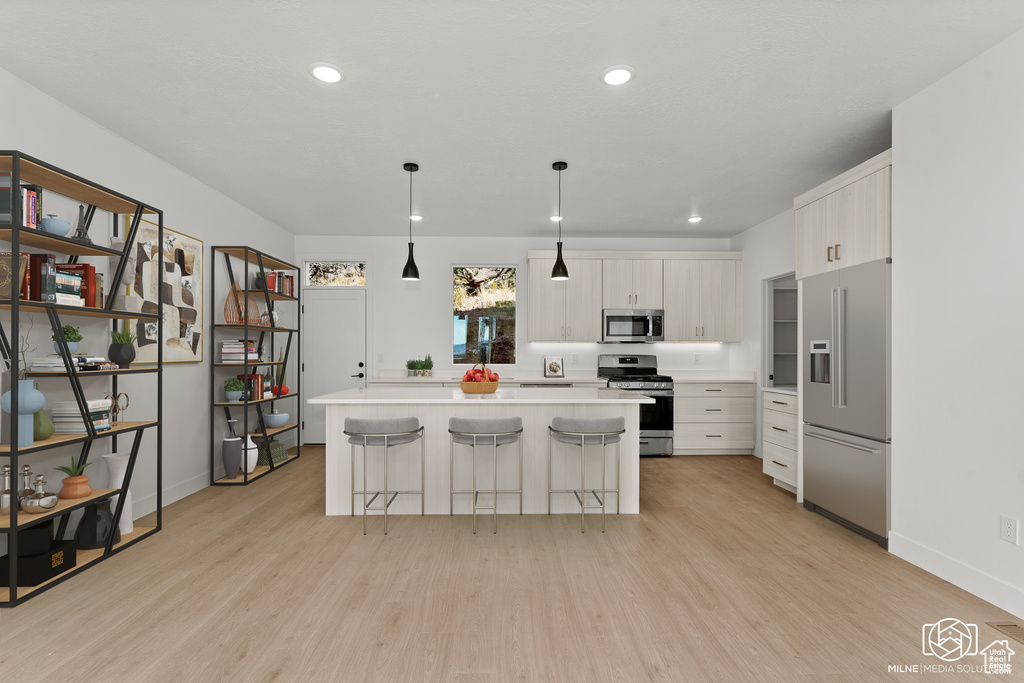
x=769 y=250
x=410 y=319
x=958 y=170
x=34 y=123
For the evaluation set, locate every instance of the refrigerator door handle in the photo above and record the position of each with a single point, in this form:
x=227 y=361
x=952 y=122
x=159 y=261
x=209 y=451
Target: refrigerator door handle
x=834 y=379
x=841 y=442
x=840 y=348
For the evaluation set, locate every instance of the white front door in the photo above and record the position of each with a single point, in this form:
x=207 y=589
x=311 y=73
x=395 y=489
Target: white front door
x=333 y=350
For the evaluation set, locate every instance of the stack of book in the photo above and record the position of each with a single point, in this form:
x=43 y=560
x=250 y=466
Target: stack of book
x=69 y=289
x=277 y=281
x=54 y=363
x=238 y=351
x=31 y=202
x=67 y=418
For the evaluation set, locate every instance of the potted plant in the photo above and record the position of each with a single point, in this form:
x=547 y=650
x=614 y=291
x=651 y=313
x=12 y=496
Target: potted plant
x=122 y=347
x=76 y=484
x=420 y=368
x=428 y=366
x=71 y=335
x=233 y=389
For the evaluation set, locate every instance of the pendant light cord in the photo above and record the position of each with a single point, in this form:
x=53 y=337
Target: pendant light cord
x=559 y=206
x=410 y=207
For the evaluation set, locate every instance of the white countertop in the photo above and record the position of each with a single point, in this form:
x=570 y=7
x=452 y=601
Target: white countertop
x=434 y=394
x=681 y=376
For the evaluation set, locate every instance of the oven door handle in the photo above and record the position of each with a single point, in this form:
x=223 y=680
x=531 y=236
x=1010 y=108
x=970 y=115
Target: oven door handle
x=652 y=392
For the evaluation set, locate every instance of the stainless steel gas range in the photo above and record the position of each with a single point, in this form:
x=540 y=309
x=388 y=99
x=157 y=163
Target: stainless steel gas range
x=640 y=373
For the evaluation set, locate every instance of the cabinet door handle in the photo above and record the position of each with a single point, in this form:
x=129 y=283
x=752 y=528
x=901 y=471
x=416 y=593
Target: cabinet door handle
x=779 y=463
x=830 y=254
x=568 y=332
x=713 y=436
x=712 y=410
x=837 y=252
x=696 y=331
x=781 y=403
x=780 y=429
x=562 y=333
x=712 y=390
x=702 y=330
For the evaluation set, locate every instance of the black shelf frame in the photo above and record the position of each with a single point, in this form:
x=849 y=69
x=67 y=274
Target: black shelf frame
x=262 y=262
x=12 y=232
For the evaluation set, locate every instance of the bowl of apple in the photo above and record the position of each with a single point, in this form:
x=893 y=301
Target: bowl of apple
x=479 y=380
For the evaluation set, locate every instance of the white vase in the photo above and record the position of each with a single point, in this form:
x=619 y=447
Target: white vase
x=117 y=467
x=251 y=454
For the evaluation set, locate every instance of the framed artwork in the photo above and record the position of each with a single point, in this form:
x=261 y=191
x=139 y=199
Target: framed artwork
x=181 y=257
x=553 y=366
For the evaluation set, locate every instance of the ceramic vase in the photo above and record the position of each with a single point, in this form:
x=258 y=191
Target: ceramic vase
x=42 y=425
x=251 y=454
x=97 y=523
x=75 y=487
x=122 y=354
x=231 y=451
x=72 y=347
x=117 y=468
x=30 y=402
x=233 y=395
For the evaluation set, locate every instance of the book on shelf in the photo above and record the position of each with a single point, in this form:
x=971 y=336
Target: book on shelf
x=86 y=284
x=65 y=299
x=42 y=277
x=6 y=202
x=72 y=406
x=6 y=272
x=31 y=206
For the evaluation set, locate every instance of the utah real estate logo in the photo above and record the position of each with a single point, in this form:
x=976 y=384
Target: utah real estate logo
x=951 y=640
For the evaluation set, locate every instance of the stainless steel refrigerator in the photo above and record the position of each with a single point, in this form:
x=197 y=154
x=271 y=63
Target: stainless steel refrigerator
x=846 y=394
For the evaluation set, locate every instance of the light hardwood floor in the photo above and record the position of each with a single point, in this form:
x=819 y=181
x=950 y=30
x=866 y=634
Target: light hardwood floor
x=722 y=577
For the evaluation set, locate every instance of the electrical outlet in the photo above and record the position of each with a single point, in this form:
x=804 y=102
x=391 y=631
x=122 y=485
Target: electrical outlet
x=1008 y=529
x=380 y=357
x=696 y=359
x=574 y=358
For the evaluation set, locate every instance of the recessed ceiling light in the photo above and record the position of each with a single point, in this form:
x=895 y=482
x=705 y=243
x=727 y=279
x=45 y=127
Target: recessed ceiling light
x=556 y=218
x=617 y=75
x=694 y=219
x=416 y=217
x=328 y=73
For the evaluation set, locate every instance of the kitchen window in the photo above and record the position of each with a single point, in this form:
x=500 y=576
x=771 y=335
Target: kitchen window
x=336 y=273
x=484 y=315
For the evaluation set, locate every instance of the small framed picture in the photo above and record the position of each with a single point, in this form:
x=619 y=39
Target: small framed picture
x=553 y=366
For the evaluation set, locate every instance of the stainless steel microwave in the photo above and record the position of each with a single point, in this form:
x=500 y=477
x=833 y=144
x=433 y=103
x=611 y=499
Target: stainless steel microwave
x=635 y=326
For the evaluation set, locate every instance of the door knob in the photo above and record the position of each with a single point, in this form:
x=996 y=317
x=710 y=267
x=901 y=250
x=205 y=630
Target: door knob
x=360 y=375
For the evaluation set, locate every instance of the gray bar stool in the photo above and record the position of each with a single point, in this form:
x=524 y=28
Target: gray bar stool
x=386 y=432
x=485 y=432
x=582 y=432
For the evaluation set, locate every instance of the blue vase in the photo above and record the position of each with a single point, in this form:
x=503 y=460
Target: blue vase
x=30 y=402
x=72 y=347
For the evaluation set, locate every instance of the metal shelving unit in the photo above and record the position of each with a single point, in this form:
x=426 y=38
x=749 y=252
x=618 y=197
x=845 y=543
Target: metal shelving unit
x=23 y=169
x=266 y=341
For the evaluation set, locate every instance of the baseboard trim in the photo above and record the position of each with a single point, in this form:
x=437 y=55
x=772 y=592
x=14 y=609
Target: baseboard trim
x=987 y=587
x=713 y=451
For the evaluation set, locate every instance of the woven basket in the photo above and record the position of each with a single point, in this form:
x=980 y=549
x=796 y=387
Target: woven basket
x=478 y=387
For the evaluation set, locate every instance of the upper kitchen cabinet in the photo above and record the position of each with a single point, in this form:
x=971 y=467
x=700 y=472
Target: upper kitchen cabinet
x=566 y=310
x=845 y=221
x=703 y=299
x=633 y=283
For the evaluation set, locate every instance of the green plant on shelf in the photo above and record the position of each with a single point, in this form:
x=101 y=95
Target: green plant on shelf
x=234 y=384
x=70 y=333
x=122 y=337
x=75 y=469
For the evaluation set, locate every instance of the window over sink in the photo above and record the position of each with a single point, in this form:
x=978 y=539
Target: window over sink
x=484 y=315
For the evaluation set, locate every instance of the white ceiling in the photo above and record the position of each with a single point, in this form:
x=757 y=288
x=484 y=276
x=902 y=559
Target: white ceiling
x=737 y=105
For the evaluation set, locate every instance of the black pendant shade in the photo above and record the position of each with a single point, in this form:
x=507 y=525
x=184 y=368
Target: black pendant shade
x=559 y=272
x=410 y=272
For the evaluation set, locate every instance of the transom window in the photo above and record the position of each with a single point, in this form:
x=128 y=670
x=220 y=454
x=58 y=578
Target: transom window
x=336 y=273
x=484 y=315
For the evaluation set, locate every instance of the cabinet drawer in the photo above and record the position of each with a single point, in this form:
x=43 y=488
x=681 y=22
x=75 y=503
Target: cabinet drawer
x=717 y=409
x=779 y=428
x=686 y=389
x=779 y=462
x=784 y=403
x=739 y=435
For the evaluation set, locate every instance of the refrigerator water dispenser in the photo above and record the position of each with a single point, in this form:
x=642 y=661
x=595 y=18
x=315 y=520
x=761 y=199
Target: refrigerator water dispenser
x=820 y=361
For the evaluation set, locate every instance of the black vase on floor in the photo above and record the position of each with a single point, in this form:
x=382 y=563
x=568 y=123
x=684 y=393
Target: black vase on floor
x=122 y=354
x=97 y=521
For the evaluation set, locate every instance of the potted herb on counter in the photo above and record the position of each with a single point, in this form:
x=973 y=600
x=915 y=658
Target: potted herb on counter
x=420 y=368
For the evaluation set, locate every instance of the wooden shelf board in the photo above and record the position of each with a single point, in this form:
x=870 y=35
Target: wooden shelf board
x=260 y=471
x=83 y=558
x=40 y=307
x=53 y=243
x=63 y=505
x=93 y=373
x=64 y=439
x=274 y=296
x=239 y=365
x=271 y=431
x=69 y=186
x=255 y=328
x=268 y=261
x=252 y=403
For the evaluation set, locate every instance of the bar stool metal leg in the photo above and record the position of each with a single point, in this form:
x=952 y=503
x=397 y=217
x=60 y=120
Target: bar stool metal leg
x=495 y=516
x=583 y=490
x=386 y=503
x=475 y=492
x=364 y=487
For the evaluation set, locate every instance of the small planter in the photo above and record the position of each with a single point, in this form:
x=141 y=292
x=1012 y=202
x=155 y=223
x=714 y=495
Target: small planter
x=72 y=347
x=233 y=395
x=122 y=354
x=75 y=487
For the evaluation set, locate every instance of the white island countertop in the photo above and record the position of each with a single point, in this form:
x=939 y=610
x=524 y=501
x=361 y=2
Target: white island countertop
x=435 y=394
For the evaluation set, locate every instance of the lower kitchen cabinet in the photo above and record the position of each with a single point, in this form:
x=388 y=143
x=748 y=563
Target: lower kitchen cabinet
x=779 y=432
x=713 y=418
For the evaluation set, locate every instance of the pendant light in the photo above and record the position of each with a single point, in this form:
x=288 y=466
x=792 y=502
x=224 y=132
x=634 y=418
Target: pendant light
x=410 y=272
x=559 y=272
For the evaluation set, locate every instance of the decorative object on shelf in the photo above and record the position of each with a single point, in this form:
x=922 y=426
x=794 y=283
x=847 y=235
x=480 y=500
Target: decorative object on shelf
x=42 y=425
x=277 y=452
x=116 y=407
x=39 y=501
x=82 y=229
x=231 y=452
x=6 y=494
x=235 y=310
x=553 y=366
x=281 y=389
x=117 y=469
x=25 y=489
x=71 y=335
x=95 y=527
x=122 y=347
x=233 y=389
x=275 y=419
x=54 y=225
x=30 y=401
x=251 y=456
x=7 y=273
x=76 y=484
x=270 y=319
x=479 y=380
x=410 y=272
x=181 y=257
x=420 y=368
x=559 y=271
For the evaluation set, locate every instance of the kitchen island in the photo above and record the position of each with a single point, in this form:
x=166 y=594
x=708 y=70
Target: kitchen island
x=433 y=406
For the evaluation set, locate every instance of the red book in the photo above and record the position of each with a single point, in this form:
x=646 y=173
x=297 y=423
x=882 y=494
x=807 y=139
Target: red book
x=88 y=274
